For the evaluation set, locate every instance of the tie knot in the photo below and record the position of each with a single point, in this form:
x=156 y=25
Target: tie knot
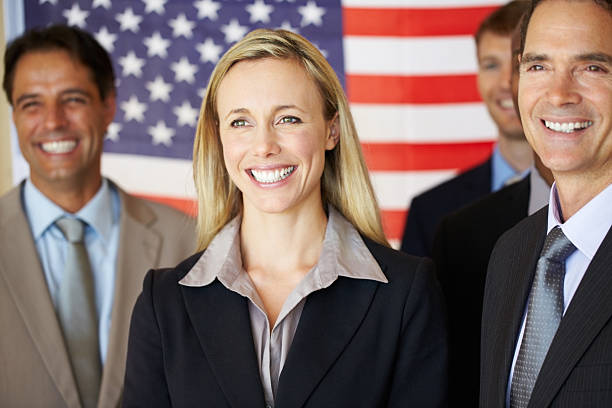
x=72 y=228
x=557 y=247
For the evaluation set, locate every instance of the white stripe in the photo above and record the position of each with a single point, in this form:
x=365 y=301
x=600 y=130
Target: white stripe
x=410 y=55
x=150 y=175
x=419 y=3
x=423 y=123
x=395 y=190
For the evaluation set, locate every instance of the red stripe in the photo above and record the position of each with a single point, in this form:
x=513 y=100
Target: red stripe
x=186 y=205
x=393 y=223
x=425 y=156
x=422 y=89
x=398 y=22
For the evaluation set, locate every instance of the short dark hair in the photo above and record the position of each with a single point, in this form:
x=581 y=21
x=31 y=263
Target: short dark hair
x=605 y=4
x=504 y=20
x=76 y=42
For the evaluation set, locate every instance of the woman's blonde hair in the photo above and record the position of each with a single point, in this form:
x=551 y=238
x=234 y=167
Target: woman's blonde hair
x=345 y=181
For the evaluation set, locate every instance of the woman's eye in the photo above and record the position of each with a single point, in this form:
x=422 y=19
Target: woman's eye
x=289 y=119
x=238 y=123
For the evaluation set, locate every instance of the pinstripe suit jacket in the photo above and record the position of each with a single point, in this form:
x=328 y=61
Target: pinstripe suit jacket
x=577 y=371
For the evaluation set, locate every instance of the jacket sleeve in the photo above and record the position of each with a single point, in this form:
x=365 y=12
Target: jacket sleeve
x=145 y=382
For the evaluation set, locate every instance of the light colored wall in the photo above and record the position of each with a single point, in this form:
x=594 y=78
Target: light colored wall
x=6 y=174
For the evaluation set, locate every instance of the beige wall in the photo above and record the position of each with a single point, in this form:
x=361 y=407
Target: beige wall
x=6 y=174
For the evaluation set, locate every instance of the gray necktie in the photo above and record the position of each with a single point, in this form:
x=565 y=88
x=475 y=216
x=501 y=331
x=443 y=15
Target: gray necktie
x=77 y=313
x=544 y=312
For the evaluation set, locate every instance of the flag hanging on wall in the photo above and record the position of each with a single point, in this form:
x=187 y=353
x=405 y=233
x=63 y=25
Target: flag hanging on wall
x=408 y=67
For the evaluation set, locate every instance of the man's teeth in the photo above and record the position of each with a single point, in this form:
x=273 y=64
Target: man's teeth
x=59 y=146
x=567 y=127
x=272 y=176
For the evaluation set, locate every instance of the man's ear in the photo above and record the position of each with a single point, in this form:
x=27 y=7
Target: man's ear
x=333 y=133
x=110 y=107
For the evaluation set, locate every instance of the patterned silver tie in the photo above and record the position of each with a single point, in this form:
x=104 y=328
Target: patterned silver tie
x=544 y=312
x=77 y=313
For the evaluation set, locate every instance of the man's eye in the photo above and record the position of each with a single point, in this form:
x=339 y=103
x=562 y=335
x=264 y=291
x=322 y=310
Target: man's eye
x=75 y=100
x=535 y=67
x=238 y=123
x=289 y=119
x=595 y=68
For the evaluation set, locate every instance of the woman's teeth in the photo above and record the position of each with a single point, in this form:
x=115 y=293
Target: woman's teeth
x=272 y=176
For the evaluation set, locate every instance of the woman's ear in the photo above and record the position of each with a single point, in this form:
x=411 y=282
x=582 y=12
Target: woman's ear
x=333 y=133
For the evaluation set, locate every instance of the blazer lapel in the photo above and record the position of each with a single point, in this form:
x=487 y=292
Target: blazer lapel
x=138 y=251
x=26 y=281
x=329 y=319
x=589 y=310
x=223 y=326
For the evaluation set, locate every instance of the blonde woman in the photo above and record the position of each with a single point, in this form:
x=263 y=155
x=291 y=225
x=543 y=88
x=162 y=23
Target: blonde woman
x=295 y=298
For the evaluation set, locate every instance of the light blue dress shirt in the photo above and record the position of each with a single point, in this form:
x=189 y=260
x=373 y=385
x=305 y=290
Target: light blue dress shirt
x=501 y=171
x=101 y=214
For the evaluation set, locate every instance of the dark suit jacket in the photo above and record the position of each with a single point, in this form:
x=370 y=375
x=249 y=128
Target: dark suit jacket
x=577 y=371
x=359 y=343
x=427 y=209
x=34 y=364
x=462 y=247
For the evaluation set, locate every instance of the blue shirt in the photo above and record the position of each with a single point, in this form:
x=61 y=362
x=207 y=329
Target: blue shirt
x=501 y=171
x=101 y=214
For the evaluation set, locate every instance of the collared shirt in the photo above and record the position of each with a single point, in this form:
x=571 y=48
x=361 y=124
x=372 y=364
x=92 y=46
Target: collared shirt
x=539 y=191
x=586 y=229
x=502 y=173
x=101 y=214
x=343 y=254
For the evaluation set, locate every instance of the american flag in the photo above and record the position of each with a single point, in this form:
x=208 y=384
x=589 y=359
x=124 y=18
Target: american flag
x=408 y=67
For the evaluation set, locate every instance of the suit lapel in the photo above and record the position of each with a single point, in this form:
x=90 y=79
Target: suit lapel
x=223 y=326
x=328 y=322
x=589 y=310
x=138 y=251
x=26 y=282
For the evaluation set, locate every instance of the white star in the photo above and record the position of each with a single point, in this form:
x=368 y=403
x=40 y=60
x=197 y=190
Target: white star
x=209 y=51
x=128 y=20
x=132 y=65
x=133 y=109
x=157 y=45
x=161 y=133
x=104 y=3
x=311 y=14
x=233 y=31
x=287 y=26
x=54 y=2
x=259 y=11
x=184 y=71
x=159 y=89
x=202 y=93
x=112 y=132
x=76 y=16
x=207 y=9
x=155 y=6
x=321 y=50
x=181 y=26
x=106 y=38
x=186 y=114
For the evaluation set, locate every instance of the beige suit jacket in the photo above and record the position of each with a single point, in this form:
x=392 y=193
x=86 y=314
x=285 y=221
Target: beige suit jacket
x=34 y=365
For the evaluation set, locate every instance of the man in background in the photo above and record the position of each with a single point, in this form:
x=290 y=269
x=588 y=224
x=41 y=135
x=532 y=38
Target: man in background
x=74 y=247
x=511 y=156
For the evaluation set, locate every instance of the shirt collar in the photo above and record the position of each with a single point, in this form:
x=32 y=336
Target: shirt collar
x=539 y=191
x=501 y=171
x=343 y=254
x=588 y=227
x=100 y=213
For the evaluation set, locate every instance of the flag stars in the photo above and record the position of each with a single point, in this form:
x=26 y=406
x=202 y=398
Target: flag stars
x=157 y=6
x=161 y=134
x=128 y=20
x=132 y=65
x=101 y=3
x=286 y=25
x=259 y=11
x=186 y=114
x=75 y=16
x=106 y=38
x=159 y=89
x=311 y=14
x=156 y=45
x=133 y=109
x=233 y=31
x=184 y=71
x=207 y=9
x=181 y=26
x=112 y=133
x=209 y=51
x=53 y=2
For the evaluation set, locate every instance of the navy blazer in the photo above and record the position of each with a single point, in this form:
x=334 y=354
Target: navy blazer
x=428 y=208
x=359 y=343
x=577 y=370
